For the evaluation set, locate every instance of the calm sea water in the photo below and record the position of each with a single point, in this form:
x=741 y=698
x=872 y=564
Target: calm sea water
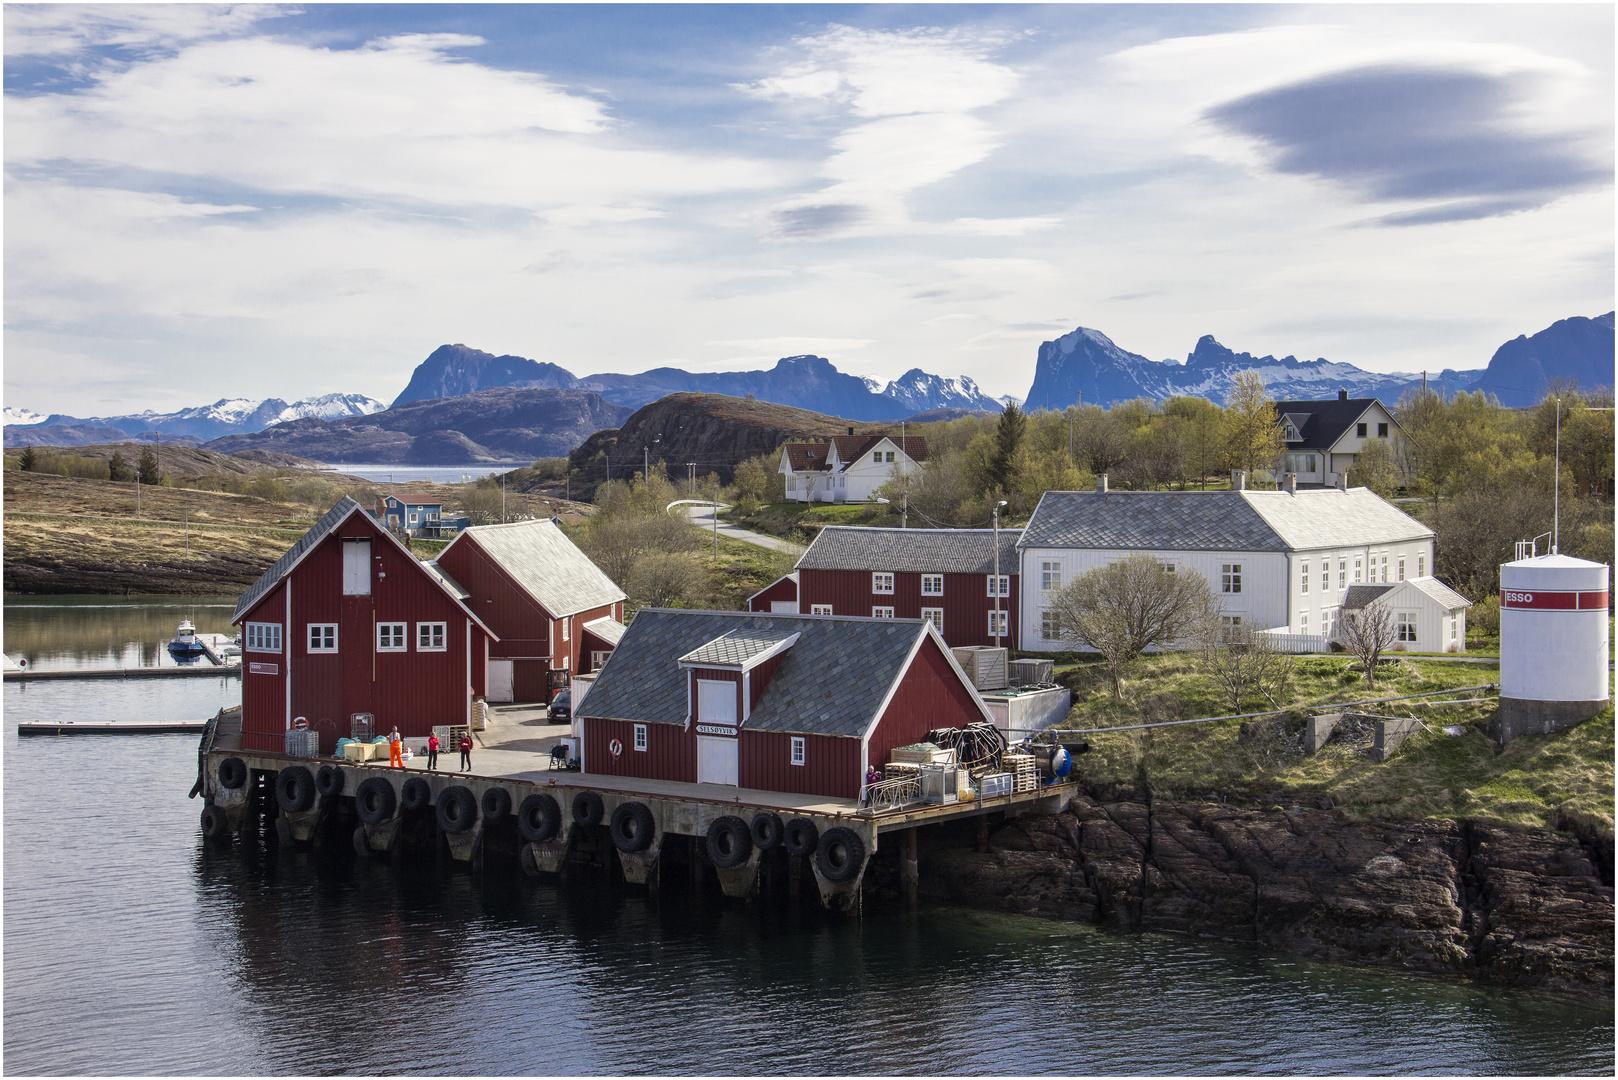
x=132 y=947
x=436 y=474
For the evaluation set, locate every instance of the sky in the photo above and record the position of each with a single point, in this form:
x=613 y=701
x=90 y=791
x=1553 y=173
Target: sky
x=254 y=201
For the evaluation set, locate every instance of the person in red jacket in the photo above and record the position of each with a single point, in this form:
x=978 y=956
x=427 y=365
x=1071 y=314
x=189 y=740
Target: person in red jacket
x=466 y=753
x=432 y=751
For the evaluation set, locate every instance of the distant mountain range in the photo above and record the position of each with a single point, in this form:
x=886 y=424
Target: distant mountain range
x=1086 y=362
x=226 y=416
x=805 y=382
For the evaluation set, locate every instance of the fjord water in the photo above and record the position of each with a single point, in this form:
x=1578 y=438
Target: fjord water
x=133 y=947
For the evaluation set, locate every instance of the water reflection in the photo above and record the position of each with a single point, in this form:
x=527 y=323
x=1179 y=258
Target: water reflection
x=106 y=631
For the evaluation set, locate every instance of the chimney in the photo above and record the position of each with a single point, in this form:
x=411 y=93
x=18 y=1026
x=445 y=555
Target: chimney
x=1342 y=479
x=1289 y=483
x=1238 y=480
x=1342 y=395
x=1101 y=484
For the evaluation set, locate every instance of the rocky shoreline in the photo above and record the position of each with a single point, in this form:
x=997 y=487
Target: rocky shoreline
x=1509 y=906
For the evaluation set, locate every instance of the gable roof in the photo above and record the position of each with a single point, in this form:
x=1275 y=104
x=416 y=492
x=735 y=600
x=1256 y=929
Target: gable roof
x=833 y=681
x=607 y=629
x=906 y=551
x=792 y=577
x=807 y=456
x=741 y=647
x=1358 y=596
x=851 y=448
x=1446 y=597
x=1322 y=423
x=545 y=564
x=323 y=528
x=1218 y=520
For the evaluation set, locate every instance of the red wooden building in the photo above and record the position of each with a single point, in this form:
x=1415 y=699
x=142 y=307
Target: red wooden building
x=348 y=621
x=769 y=702
x=946 y=576
x=553 y=610
x=779 y=596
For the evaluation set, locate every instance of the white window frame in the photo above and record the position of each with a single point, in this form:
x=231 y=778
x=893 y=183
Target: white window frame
x=262 y=637
x=820 y=609
x=392 y=637
x=1303 y=577
x=1421 y=566
x=1453 y=623
x=1050 y=626
x=1230 y=578
x=442 y=636
x=934 y=615
x=598 y=658
x=413 y=519
x=565 y=623
x=1401 y=568
x=321 y=637
x=1004 y=623
x=882 y=613
x=1005 y=584
x=1325 y=575
x=640 y=737
x=876 y=457
x=1303 y=622
x=1168 y=566
x=882 y=583
x=932 y=584
x=1342 y=573
x=1050 y=575
x=1357 y=562
x=1404 y=624
x=798 y=755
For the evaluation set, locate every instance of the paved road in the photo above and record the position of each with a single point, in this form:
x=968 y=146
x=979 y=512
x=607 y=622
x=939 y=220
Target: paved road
x=703 y=516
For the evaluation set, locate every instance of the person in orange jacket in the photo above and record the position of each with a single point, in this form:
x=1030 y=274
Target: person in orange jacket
x=394 y=746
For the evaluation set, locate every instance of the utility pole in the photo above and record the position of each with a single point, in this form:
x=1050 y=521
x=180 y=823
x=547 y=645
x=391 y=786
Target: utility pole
x=716 y=517
x=188 y=534
x=997 y=507
x=904 y=516
x=502 y=500
x=1556 y=521
x=1077 y=401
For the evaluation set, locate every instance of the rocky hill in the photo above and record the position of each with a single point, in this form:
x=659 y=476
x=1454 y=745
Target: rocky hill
x=505 y=424
x=1576 y=349
x=185 y=462
x=711 y=430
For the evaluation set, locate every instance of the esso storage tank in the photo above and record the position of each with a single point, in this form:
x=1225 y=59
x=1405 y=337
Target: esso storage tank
x=1554 y=644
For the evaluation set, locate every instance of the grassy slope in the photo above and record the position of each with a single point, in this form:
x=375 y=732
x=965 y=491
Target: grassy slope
x=1541 y=780
x=800 y=523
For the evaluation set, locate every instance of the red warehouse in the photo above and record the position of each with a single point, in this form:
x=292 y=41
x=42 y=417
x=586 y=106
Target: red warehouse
x=946 y=576
x=780 y=596
x=348 y=621
x=769 y=702
x=552 y=609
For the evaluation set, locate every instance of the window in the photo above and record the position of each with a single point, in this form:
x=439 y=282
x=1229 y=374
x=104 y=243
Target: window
x=1359 y=431
x=797 y=749
x=1453 y=621
x=1228 y=626
x=1005 y=584
x=1421 y=566
x=820 y=609
x=322 y=637
x=1301 y=463
x=932 y=584
x=598 y=658
x=412 y=519
x=1303 y=577
x=1050 y=576
x=1050 y=626
x=1405 y=622
x=565 y=623
x=1401 y=568
x=792 y=483
x=881 y=613
x=263 y=637
x=1382 y=431
x=890 y=455
x=997 y=623
x=1384 y=569
x=1325 y=575
x=934 y=615
x=1303 y=622
x=1230 y=577
x=876 y=458
x=1342 y=573
x=640 y=737
x=1168 y=567
x=390 y=637
x=882 y=583
x=1326 y=616
x=1356 y=570
x=430 y=637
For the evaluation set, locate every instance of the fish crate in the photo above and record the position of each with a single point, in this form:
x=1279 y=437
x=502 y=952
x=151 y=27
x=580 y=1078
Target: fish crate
x=992 y=784
x=305 y=744
x=1032 y=672
x=985 y=665
x=939 y=784
x=922 y=753
x=895 y=770
x=1024 y=775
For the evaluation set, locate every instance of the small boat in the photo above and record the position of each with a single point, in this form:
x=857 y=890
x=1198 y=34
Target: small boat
x=185 y=643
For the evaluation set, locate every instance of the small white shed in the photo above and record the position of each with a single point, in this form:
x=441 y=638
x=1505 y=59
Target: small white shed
x=1428 y=616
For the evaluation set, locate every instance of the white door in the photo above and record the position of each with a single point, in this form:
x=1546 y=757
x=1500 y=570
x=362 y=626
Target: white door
x=716 y=760
x=357 y=568
x=716 y=702
x=500 y=680
x=789 y=607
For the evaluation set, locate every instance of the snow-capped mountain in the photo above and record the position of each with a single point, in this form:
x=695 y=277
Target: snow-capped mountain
x=227 y=416
x=916 y=391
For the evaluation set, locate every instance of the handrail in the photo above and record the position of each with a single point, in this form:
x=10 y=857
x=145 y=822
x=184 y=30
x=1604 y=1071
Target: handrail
x=891 y=794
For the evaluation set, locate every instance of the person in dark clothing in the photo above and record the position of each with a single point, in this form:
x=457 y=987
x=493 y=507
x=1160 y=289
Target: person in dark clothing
x=466 y=753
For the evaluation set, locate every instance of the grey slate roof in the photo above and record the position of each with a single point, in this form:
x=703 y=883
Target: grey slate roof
x=1358 y=596
x=734 y=648
x=283 y=566
x=540 y=557
x=1322 y=423
x=1150 y=521
x=1218 y=520
x=832 y=682
x=1446 y=597
x=926 y=551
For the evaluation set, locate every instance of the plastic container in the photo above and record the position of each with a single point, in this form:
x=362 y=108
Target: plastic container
x=995 y=784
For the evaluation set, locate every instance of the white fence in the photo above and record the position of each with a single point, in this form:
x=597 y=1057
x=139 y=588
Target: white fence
x=1297 y=643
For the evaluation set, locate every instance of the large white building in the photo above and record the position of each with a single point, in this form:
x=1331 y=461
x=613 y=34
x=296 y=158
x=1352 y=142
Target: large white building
x=848 y=468
x=1276 y=559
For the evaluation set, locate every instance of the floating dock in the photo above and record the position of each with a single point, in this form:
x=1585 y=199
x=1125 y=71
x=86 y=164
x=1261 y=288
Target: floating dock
x=71 y=727
x=69 y=674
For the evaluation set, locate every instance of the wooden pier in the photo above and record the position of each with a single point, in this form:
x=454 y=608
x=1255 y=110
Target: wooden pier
x=73 y=727
x=70 y=674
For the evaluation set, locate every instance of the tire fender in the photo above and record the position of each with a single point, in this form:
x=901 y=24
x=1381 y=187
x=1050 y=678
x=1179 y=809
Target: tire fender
x=232 y=773
x=587 y=809
x=730 y=842
x=416 y=794
x=214 y=823
x=633 y=827
x=539 y=818
x=496 y=805
x=840 y=855
x=375 y=800
x=295 y=788
x=457 y=809
x=329 y=781
x=800 y=836
x=767 y=830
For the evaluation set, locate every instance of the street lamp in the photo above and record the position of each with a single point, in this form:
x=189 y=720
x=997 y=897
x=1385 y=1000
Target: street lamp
x=646 y=458
x=997 y=507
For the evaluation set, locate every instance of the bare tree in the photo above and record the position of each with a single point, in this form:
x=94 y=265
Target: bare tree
x=1366 y=632
x=667 y=579
x=1128 y=606
x=1243 y=661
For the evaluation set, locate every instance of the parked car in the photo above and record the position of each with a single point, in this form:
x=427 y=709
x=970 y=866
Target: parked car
x=562 y=706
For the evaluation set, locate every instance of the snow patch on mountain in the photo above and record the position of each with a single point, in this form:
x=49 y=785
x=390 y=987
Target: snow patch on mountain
x=23 y=417
x=916 y=391
x=330 y=407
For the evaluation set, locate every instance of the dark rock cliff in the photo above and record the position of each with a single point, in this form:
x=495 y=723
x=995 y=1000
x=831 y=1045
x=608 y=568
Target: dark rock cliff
x=1513 y=906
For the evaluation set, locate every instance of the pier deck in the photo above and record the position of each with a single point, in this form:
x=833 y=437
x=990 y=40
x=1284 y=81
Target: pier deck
x=67 y=674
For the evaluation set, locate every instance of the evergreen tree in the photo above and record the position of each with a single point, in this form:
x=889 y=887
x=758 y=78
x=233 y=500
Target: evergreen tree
x=148 y=467
x=1005 y=464
x=29 y=459
x=118 y=467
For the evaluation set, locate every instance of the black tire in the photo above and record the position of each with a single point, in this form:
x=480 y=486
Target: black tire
x=329 y=781
x=214 y=823
x=539 y=818
x=767 y=830
x=375 y=800
x=800 y=836
x=496 y=805
x=232 y=773
x=416 y=794
x=730 y=842
x=457 y=809
x=633 y=827
x=295 y=788
x=840 y=855
x=587 y=809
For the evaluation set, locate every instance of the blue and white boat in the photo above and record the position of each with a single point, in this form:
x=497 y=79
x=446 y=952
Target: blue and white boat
x=185 y=643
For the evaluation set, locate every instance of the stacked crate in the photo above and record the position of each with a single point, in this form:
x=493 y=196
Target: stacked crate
x=1024 y=776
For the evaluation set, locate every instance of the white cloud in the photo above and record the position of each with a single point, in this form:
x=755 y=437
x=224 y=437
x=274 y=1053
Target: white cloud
x=62 y=29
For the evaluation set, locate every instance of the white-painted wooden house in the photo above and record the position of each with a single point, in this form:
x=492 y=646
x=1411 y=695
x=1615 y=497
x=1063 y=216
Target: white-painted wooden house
x=1275 y=559
x=1323 y=438
x=1428 y=616
x=848 y=468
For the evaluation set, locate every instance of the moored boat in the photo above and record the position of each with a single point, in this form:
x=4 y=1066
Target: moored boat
x=185 y=643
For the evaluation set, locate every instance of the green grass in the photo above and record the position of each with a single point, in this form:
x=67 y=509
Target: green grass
x=800 y=522
x=1551 y=780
